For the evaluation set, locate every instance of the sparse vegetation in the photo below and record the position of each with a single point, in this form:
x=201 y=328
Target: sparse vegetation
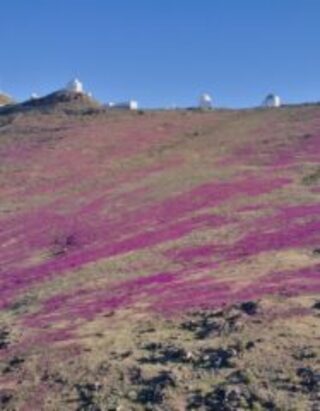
x=164 y=261
x=313 y=178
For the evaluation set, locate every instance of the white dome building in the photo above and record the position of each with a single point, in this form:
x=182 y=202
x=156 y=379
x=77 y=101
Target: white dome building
x=272 y=100
x=205 y=101
x=75 y=86
x=133 y=105
x=127 y=105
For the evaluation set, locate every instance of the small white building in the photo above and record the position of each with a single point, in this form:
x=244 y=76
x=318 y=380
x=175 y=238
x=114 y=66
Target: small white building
x=272 y=100
x=127 y=105
x=133 y=105
x=75 y=86
x=205 y=101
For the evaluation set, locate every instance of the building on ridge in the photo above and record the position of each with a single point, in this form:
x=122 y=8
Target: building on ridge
x=272 y=100
x=127 y=105
x=205 y=102
x=75 y=86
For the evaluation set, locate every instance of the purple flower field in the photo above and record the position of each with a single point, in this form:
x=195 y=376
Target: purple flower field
x=119 y=220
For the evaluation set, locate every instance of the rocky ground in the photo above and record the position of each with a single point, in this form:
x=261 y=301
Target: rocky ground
x=159 y=260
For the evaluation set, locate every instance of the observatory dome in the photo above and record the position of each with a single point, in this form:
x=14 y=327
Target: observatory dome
x=75 y=86
x=272 y=100
x=205 y=101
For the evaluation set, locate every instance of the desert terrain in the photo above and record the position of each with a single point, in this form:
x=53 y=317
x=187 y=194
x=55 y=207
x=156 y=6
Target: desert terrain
x=159 y=260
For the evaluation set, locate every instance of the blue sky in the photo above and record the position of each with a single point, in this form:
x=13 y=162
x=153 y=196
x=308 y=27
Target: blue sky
x=163 y=52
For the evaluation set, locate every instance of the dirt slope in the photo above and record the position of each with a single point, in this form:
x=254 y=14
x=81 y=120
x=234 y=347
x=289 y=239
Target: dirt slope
x=160 y=260
x=4 y=99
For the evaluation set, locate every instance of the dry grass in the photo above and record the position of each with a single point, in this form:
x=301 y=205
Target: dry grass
x=155 y=211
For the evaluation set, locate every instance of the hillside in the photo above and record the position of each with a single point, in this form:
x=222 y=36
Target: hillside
x=59 y=102
x=4 y=99
x=162 y=260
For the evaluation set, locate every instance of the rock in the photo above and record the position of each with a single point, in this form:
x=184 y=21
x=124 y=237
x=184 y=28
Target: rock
x=204 y=326
x=151 y=391
x=13 y=364
x=5 y=398
x=217 y=400
x=86 y=396
x=232 y=314
x=63 y=244
x=135 y=375
x=147 y=330
x=233 y=397
x=132 y=395
x=4 y=338
x=152 y=346
x=316 y=305
x=309 y=379
x=249 y=307
x=166 y=354
x=214 y=358
x=189 y=355
x=223 y=398
x=239 y=377
x=195 y=400
x=125 y=354
x=150 y=395
x=304 y=354
x=250 y=345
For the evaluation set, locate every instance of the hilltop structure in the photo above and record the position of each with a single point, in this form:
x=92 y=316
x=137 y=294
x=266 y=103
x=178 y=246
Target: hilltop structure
x=127 y=105
x=272 y=100
x=75 y=86
x=205 y=101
